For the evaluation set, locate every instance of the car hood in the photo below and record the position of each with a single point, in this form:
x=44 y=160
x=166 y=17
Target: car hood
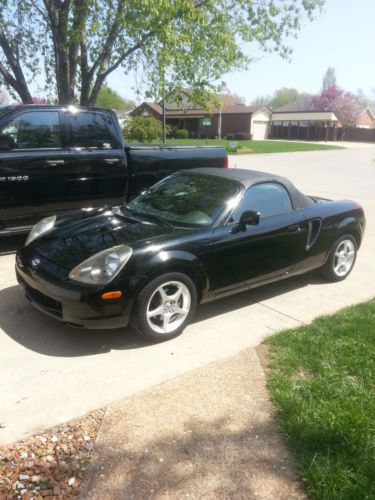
x=75 y=239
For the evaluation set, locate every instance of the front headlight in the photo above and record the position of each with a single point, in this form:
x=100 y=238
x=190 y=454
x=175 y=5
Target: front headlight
x=102 y=267
x=42 y=227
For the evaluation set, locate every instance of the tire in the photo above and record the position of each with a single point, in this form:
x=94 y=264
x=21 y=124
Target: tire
x=175 y=296
x=346 y=246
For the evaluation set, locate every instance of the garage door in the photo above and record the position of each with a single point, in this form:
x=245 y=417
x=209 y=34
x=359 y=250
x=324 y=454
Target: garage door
x=260 y=130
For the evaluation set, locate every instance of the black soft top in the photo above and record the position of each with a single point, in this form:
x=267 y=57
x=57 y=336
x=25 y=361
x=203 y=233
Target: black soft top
x=249 y=178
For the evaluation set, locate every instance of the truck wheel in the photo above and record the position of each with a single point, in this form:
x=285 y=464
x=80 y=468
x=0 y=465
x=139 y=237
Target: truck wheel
x=341 y=259
x=164 y=307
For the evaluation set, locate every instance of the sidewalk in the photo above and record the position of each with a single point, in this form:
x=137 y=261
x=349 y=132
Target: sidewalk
x=341 y=144
x=207 y=434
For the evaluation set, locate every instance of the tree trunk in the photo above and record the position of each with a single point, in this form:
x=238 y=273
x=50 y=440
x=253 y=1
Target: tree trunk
x=59 y=14
x=85 y=73
x=16 y=80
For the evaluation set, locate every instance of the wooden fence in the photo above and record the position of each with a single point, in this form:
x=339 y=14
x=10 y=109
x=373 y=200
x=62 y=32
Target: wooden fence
x=321 y=133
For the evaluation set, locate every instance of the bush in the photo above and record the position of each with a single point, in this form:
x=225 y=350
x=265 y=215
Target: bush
x=242 y=136
x=181 y=133
x=143 y=129
x=171 y=131
x=229 y=137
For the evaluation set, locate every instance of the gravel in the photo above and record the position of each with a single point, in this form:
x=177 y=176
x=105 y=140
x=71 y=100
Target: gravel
x=49 y=465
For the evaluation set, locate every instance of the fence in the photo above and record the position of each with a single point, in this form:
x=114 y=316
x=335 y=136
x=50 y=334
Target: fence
x=321 y=133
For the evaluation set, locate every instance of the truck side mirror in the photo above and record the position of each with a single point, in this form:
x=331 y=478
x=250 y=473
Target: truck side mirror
x=248 y=218
x=7 y=142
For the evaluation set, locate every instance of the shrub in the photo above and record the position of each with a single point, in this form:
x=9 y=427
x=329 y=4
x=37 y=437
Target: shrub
x=181 y=133
x=231 y=149
x=143 y=129
x=171 y=131
x=229 y=137
x=242 y=136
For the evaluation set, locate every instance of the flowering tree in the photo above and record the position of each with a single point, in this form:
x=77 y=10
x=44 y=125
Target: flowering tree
x=40 y=100
x=344 y=104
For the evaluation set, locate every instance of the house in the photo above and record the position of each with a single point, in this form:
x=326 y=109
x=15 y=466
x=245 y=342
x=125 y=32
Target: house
x=366 y=118
x=233 y=118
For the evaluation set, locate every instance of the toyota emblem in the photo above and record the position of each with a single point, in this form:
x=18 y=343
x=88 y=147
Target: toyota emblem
x=35 y=262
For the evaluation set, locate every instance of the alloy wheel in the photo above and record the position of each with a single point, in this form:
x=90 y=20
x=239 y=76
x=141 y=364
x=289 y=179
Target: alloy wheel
x=168 y=307
x=344 y=258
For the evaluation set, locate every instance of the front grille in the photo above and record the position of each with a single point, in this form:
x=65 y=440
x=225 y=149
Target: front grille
x=48 y=304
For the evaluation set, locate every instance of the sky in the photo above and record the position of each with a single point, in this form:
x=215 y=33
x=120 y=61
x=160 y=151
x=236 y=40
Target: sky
x=343 y=36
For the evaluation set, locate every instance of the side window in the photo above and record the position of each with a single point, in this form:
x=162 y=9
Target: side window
x=268 y=199
x=92 y=130
x=34 y=130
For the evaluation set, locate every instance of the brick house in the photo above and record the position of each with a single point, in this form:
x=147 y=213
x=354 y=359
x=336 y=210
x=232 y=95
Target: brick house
x=243 y=121
x=366 y=118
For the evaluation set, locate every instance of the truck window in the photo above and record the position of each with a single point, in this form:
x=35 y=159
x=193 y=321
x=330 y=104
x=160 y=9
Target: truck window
x=91 y=130
x=34 y=130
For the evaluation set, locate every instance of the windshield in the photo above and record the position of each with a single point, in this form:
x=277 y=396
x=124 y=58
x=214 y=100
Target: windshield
x=192 y=200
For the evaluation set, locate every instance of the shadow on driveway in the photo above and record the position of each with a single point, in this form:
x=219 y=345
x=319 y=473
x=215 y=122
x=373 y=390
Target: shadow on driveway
x=10 y=244
x=42 y=334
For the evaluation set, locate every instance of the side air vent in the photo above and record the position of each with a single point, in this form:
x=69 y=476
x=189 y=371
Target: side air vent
x=315 y=226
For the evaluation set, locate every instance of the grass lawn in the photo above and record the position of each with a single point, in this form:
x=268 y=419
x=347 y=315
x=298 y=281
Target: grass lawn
x=247 y=147
x=322 y=382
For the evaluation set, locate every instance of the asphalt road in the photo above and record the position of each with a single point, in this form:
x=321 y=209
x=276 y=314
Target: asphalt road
x=51 y=373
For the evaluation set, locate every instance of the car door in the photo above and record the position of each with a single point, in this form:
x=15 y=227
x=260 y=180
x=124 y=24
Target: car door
x=260 y=252
x=31 y=167
x=97 y=173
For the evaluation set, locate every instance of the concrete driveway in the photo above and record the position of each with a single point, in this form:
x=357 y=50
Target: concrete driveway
x=51 y=373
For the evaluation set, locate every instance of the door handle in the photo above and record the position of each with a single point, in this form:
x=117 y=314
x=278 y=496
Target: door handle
x=111 y=161
x=296 y=228
x=54 y=163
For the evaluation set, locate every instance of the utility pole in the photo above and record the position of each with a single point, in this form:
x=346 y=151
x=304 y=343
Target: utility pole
x=219 y=125
x=223 y=89
x=164 y=122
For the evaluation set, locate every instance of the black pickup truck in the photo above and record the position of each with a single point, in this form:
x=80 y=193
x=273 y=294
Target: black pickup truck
x=55 y=159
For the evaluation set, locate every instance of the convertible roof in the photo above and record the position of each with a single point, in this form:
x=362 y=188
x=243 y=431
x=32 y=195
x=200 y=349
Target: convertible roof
x=249 y=178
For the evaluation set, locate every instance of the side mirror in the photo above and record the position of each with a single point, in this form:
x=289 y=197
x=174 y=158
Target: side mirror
x=248 y=218
x=7 y=142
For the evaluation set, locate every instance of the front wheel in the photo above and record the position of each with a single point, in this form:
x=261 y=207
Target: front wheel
x=341 y=259
x=164 y=307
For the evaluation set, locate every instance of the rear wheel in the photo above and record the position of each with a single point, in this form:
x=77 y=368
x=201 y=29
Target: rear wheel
x=164 y=307
x=341 y=259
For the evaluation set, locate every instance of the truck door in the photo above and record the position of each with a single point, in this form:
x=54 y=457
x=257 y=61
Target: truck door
x=97 y=171
x=31 y=162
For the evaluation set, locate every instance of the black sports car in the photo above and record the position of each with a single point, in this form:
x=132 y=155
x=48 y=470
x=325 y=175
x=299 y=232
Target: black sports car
x=193 y=237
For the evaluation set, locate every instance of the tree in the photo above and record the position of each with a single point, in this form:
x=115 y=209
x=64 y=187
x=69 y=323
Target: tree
x=40 y=100
x=261 y=100
x=329 y=78
x=366 y=100
x=283 y=96
x=344 y=104
x=109 y=98
x=79 y=43
x=279 y=98
x=143 y=129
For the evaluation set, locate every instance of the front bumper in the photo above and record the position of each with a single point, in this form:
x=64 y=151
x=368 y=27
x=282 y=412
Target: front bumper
x=75 y=308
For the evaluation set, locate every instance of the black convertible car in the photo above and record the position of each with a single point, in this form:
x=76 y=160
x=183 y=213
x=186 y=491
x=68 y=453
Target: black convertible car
x=193 y=237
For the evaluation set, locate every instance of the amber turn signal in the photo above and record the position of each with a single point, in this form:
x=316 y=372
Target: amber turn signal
x=111 y=295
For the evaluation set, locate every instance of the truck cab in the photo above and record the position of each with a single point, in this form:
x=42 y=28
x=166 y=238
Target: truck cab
x=54 y=159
